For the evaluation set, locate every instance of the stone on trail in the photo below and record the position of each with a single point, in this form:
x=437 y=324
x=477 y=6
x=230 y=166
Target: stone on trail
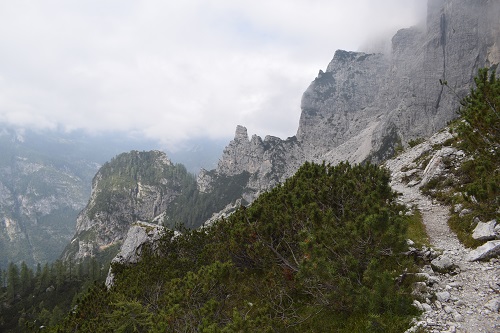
x=485 y=251
x=485 y=231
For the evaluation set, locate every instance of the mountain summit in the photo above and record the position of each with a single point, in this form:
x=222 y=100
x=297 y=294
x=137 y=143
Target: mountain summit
x=364 y=106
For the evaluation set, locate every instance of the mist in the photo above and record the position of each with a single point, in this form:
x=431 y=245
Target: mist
x=174 y=72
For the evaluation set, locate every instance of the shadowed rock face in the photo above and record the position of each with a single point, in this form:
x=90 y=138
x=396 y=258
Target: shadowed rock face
x=338 y=103
x=364 y=105
x=461 y=36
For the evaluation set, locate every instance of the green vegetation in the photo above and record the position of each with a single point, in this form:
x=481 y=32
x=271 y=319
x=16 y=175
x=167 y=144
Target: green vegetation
x=475 y=183
x=119 y=181
x=415 y=142
x=322 y=252
x=31 y=299
x=119 y=178
x=416 y=230
x=192 y=208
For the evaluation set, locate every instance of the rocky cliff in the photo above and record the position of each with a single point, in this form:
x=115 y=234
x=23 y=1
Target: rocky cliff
x=363 y=106
x=135 y=186
x=41 y=193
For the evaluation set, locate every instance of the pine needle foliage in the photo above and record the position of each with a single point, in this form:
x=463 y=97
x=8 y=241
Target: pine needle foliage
x=319 y=253
x=479 y=132
x=478 y=135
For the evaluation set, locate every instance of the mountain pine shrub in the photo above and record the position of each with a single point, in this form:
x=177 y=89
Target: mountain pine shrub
x=321 y=252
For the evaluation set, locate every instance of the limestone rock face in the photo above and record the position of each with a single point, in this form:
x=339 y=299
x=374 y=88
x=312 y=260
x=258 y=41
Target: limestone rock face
x=135 y=186
x=138 y=234
x=460 y=36
x=338 y=103
x=269 y=161
x=364 y=105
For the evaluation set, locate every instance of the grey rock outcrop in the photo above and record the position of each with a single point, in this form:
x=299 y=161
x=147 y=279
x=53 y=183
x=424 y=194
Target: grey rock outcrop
x=269 y=162
x=338 y=105
x=138 y=235
x=365 y=105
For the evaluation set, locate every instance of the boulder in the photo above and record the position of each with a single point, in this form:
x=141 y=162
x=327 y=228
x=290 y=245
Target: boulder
x=138 y=235
x=464 y=212
x=426 y=307
x=418 y=305
x=443 y=296
x=485 y=251
x=442 y=264
x=485 y=231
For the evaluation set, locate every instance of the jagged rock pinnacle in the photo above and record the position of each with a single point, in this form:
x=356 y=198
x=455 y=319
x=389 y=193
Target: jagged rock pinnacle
x=241 y=133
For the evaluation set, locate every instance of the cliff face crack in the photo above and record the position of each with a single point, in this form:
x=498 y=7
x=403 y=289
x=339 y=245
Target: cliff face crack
x=439 y=98
x=442 y=42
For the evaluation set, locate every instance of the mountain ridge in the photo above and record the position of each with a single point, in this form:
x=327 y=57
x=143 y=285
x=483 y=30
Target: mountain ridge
x=364 y=106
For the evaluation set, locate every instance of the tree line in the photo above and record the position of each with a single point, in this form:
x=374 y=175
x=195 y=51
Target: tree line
x=36 y=297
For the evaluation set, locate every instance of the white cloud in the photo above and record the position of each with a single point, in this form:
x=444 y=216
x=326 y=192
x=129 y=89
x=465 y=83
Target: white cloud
x=174 y=70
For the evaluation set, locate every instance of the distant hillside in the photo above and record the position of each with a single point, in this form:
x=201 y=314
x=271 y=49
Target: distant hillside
x=45 y=181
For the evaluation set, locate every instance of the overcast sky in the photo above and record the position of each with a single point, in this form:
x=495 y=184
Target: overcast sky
x=171 y=70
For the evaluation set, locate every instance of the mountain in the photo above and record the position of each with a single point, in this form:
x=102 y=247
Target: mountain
x=132 y=186
x=45 y=181
x=361 y=108
x=43 y=186
x=143 y=186
x=364 y=106
x=328 y=240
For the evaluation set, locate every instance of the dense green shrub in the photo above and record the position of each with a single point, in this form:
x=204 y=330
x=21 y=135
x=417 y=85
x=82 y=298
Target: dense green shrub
x=478 y=132
x=308 y=256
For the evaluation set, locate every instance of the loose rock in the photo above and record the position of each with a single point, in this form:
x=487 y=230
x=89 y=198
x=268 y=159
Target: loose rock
x=485 y=251
x=442 y=264
x=485 y=231
x=493 y=304
x=443 y=296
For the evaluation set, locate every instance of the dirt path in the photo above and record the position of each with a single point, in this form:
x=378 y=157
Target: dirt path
x=466 y=301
